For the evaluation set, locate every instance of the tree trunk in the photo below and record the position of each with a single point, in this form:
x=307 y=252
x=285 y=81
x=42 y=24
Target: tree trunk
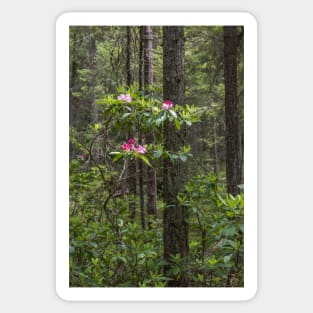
x=72 y=104
x=140 y=66
x=232 y=138
x=175 y=233
x=129 y=72
x=131 y=171
x=148 y=82
x=141 y=189
x=214 y=148
x=93 y=81
x=140 y=162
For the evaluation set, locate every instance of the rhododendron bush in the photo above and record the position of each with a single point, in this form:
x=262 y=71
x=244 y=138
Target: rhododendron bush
x=156 y=127
x=111 y=249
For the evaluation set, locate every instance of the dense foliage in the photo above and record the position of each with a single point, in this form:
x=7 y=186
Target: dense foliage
x=118 y=252
x=117 y=133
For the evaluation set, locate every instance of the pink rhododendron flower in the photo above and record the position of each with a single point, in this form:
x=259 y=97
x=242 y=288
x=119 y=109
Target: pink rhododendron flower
x=130 y=146
x=126 y=98
x=81 y=156
x=167 y=104
x=140 y=149
x=125 y=146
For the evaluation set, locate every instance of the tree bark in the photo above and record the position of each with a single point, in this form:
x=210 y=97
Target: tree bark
x=232 y=138
x=140 y=162
x=214 y=148
x=175 y=232
x=72 y=104
x=140 y=66
x=148 y=82
x=129 y=72
x=93 y=80
x=131 y=171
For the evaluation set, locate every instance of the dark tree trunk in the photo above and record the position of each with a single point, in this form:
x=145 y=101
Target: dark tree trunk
x=148 y=48
x=72 y=106
x=241 y=96
x=92 y=68
x=214 y=149
x=232 y=138
x=148 y=82
x=131 y=171
x=129 y=78
x=140 y=163
x=175 y=216
x=141 y=189
x=140 y=67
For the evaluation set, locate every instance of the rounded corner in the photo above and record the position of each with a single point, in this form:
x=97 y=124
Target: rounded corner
x=61 y=295
x=251 y=17
x=252 y=294
x=62 y=17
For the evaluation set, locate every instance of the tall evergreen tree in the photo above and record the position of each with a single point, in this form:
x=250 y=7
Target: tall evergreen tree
x=72 y=83
x=148 y=82
x=232 y=137
x=175 y=215
x=132 y=182
x=93 y=79
x=140 y=135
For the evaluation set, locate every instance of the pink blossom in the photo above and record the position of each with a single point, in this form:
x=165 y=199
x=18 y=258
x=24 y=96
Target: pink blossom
x=167 y=104
x=130 y=146
x=125 y=146
x=81 y=156
x=140 y=149
x=126 y=98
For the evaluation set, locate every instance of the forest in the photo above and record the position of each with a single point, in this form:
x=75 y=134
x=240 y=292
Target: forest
x=156 y=145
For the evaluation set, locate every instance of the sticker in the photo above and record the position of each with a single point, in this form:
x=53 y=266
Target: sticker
x=156 y=156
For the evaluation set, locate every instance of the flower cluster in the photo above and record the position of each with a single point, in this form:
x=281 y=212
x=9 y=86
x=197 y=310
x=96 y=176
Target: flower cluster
x=130 y=146
x=126 y=98
x=167 y=104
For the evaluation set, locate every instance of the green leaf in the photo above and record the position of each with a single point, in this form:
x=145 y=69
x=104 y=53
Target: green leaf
x=241 y=227
x=157 y=154
x=177 y=124
x=173 y=156
x=158 y=122
x=122 y=258
x=160 y=119
x=145 y=159
x=212 y=261
x=240 y=186
x=150 y=121
x=229 y=230
x=230 y=213
x=200 y=277
x=227 y=258
x=173 y=113
x=117 y=157
x=72 y=249
x=222 y=200
x=183 y=157
x=175 y=270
